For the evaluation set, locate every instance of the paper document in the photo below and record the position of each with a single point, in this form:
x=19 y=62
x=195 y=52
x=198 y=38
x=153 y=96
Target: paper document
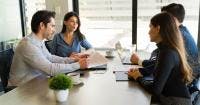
x=89 y=52
x=96 y=59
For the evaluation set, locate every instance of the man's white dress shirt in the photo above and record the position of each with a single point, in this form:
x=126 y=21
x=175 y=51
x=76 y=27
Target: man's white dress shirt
x=31 y=58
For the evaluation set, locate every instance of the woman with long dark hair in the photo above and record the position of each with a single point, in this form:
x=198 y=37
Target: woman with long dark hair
x=70 y=39
x=172 y=71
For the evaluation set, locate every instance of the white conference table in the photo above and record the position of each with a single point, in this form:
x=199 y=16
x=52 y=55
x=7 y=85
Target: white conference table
x=99 y=88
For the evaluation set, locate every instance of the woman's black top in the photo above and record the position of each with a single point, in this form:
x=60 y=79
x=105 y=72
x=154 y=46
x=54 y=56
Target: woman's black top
x=167 y=75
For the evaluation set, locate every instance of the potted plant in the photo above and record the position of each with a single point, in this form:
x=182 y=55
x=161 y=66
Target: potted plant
x=61 y=85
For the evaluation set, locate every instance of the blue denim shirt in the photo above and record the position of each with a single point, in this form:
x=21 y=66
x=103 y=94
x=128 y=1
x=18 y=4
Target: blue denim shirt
x=61 y=48
x=190 y=45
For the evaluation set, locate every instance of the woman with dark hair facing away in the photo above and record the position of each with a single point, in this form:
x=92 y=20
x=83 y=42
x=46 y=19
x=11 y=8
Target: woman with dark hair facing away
x=70 y=40
x=172 y=72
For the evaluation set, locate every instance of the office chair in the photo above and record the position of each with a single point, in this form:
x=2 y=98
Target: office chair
x=47 y=44
x=5 y=63
x=194 y=87
x=195 y=91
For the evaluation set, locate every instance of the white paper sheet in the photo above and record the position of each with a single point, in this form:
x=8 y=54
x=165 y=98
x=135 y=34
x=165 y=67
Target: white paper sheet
x=96 y=59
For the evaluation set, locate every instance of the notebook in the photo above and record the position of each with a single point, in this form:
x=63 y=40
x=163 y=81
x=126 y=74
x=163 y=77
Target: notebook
x=96 y=60
x=101 y=67
x=121 y=75
x=97 y=68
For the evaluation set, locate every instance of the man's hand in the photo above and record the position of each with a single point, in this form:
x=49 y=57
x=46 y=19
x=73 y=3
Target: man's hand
x=83 y=63
x=134 y=58
x=74 y=56
x=77 y=56
x=83 y=55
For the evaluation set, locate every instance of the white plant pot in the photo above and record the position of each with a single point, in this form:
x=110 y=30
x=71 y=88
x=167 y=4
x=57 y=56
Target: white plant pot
x=61 y=95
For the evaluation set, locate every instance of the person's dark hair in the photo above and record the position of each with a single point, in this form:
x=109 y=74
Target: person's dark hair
x=177 y=10
x=66 y=18
x=41 y=16
x=171 y=37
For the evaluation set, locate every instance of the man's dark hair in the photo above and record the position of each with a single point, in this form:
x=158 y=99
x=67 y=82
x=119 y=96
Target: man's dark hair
x=41 y=16
x=177 y=10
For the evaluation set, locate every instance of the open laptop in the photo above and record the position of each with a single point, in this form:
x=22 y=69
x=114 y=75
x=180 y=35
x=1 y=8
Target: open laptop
x=125 y=54
x=125 y=59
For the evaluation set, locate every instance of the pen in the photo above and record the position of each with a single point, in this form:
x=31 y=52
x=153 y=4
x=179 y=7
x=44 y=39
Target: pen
x=126 y=72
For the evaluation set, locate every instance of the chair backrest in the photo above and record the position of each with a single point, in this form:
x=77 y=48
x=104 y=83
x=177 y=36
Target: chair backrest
x=5 y=63
x=196 y=98
x=194 y=87
x=48 y=44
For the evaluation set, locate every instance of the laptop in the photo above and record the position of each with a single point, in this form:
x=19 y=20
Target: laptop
x=142 y=55
x=125 y=54
x=126 y=60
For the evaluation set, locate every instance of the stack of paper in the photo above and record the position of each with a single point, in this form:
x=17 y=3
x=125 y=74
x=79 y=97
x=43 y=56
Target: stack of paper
x=96 y=59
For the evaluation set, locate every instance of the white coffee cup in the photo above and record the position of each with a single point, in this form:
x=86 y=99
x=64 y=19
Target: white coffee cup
x=75 y=77
x=109 y=53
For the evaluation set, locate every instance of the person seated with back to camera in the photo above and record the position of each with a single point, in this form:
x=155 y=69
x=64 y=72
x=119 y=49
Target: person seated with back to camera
x=70 y=40
x=172 y=72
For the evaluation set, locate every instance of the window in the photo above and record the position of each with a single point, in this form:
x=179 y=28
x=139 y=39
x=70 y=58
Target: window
x=10 y=22
x=148 y=8
x=31 y=6
x=105 y=22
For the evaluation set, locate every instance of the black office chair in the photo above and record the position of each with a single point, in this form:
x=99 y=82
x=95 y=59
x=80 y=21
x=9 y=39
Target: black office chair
x=195 y=91
x=194 y=87
x=195 y=98
x=5 y=63
x=48 y=44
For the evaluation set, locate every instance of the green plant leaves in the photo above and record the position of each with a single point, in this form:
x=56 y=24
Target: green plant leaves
x=60 y=82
